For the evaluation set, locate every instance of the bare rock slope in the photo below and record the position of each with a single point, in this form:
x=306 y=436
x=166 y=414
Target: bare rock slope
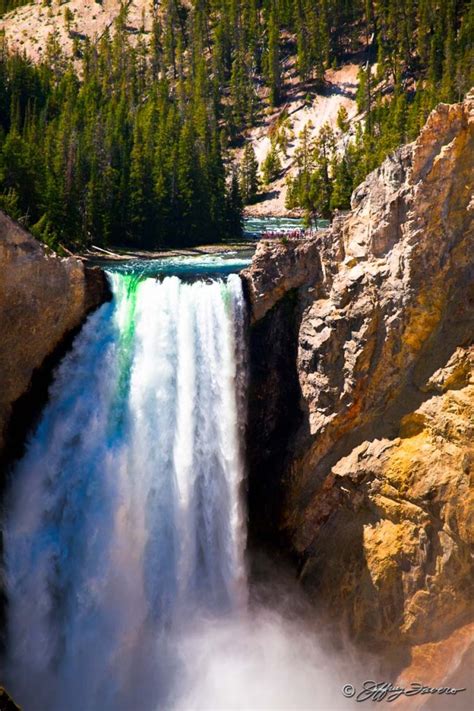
x=338 y=93
x=43 y=298
x=373 y=489
x=29 y=28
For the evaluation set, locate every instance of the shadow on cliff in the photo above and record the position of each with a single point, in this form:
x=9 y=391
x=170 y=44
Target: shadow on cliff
x=279 y=427
x=274 y=417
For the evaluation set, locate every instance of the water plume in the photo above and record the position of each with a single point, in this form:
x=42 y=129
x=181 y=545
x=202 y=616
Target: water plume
x=125 y=534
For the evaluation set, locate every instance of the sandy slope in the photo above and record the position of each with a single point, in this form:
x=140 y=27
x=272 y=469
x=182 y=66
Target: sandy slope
x=342 y=86
x=28 y=28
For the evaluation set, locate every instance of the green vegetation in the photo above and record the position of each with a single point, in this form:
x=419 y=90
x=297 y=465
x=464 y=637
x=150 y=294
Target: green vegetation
x=8 y=5
x=130 y=154
x=418 y=53
x=249 y=182
x=130 y=144
x=271 y=166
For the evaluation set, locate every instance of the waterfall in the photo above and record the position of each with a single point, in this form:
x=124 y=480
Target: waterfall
x=124 y=518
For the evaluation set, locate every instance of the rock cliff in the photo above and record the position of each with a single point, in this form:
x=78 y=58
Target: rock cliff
x=372 y=490
x=43 y=299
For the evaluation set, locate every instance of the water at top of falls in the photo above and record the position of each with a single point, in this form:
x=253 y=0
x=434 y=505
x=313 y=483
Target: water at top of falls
x=256 y=226
x=201 y=267
x=125 y=515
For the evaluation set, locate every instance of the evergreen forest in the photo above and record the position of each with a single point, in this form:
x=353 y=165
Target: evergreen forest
x=131 y=141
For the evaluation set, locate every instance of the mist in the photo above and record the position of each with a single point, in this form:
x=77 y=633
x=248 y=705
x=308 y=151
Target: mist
x=127 y=583
x=260 y=660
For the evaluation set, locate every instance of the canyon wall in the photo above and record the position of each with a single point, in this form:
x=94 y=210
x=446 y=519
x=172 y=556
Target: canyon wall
x=43 y=301
x=371 y=494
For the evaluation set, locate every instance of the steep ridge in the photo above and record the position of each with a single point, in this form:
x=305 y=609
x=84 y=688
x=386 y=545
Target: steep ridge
x=371 y=491
x=43 y=300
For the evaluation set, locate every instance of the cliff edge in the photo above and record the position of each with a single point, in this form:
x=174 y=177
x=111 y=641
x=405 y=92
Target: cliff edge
x=43 y=299
x=370 y=325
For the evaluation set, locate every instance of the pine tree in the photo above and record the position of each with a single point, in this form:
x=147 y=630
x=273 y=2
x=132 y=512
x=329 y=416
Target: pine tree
x=248 y=180
x=234 y=222
x=342 y=120
x=342 y=184
x=271 y=166
x=140 y=191
x=273 y=59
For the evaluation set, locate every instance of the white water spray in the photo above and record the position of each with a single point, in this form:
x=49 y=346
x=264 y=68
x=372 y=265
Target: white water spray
x=125 y=536
x=125 y=515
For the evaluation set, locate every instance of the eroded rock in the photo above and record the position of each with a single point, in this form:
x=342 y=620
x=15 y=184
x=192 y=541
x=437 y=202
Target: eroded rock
x=375 y=485
x=43 y=298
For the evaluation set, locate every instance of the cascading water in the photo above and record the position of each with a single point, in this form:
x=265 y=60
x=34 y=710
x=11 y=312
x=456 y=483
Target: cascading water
x=125 y=518
x=124 y=531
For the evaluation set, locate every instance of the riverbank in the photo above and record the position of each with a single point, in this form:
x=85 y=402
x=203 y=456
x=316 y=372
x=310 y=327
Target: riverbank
x=97 y=255
x=254 y=228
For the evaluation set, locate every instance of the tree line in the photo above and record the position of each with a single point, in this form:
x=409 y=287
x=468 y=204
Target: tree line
x=418 y=53
x=124 y=147
x=129 y=141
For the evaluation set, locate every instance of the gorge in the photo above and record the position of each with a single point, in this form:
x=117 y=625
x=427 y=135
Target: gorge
x=358 y=455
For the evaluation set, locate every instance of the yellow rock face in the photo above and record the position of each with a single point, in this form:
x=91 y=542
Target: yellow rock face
x=409 y=502
x=376 y=494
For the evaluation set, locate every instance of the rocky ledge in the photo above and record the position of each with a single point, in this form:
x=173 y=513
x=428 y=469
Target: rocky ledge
x=371 y=325
x=43 y=300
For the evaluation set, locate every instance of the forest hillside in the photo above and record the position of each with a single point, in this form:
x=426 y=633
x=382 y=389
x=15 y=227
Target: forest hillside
x=152 y=123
